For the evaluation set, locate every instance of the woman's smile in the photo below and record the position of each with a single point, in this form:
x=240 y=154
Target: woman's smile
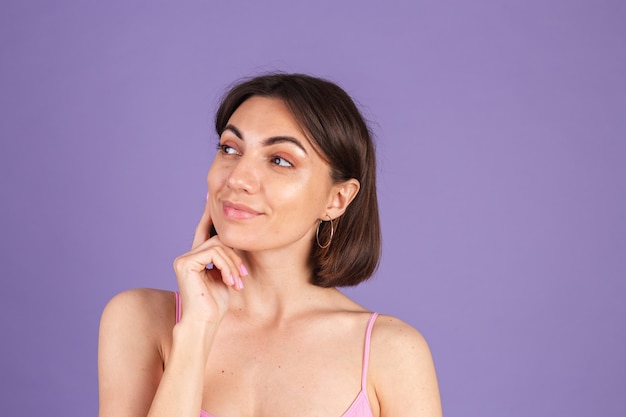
x=235 y=211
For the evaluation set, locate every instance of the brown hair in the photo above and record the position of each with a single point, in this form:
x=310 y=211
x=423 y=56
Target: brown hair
x=337 y=129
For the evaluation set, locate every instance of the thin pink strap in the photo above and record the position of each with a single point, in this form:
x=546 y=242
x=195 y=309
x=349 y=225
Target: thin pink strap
x=366 y=351
x=178 y=309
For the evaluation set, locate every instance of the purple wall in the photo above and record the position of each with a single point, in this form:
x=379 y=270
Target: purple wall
x=501 y=131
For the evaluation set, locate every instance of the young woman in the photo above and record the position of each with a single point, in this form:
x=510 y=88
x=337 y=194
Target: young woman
x=258 y=327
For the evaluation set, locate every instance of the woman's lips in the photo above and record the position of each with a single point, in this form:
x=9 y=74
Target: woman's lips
x=238 y=211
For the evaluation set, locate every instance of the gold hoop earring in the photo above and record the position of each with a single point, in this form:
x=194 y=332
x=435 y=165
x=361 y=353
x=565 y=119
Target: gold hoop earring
x=332 y=232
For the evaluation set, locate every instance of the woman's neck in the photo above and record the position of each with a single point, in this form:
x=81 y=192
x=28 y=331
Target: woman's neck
x=278 y=286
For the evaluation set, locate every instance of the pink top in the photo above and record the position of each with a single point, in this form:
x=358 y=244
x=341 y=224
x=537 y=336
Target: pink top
x=360 y=407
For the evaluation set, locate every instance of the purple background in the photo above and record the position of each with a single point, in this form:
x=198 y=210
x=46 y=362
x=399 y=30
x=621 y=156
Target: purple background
x=501 y=130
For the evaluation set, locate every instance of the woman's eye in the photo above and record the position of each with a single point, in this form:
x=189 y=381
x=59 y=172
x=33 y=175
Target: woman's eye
x=282 y=162
x=228 y=150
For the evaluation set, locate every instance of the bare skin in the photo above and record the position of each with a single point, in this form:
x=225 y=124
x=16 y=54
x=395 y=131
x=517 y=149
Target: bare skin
x=256 y=338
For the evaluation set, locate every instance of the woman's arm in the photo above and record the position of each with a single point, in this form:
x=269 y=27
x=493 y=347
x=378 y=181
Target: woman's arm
x=130 y=361
x=180 y=390
x=133 y=381
x=402 y=371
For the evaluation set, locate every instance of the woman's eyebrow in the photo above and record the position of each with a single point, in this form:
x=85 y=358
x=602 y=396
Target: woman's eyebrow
x=269 y=141
x=281 y=139
x=232 y=129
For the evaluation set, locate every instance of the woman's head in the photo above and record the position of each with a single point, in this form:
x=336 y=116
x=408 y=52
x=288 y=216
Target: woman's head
x=338 y=133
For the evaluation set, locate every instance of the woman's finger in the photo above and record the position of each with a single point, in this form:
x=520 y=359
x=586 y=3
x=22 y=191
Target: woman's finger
x=223 y=260
x=227 y=268
x=215 y=242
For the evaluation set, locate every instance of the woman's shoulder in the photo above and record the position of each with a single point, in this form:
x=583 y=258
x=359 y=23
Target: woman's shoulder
x=142 y=301
x=396 y=343
x=402 y=368
x=134 y=341
x=143 y=310
x=393 y=333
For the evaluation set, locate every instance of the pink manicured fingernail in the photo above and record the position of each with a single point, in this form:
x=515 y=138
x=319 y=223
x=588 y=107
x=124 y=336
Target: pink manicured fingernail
x=207 y=196
x=231 y=279
x=243 y=270
x=240 y=283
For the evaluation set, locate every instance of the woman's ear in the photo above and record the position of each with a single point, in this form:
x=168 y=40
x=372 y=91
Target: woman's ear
x=341 y=196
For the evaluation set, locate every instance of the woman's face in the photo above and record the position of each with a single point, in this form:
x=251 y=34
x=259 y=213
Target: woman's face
x=268 y=186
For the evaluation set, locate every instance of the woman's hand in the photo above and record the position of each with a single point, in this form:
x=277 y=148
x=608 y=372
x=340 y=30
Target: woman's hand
x=205 y=291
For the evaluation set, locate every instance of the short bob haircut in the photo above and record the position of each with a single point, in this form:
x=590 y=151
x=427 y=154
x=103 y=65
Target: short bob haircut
x=337 y=130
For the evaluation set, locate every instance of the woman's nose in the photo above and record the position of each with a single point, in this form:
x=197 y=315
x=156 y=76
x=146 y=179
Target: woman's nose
x=244 y=175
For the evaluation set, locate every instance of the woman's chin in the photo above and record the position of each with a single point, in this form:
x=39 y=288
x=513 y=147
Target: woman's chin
x=237 y=241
